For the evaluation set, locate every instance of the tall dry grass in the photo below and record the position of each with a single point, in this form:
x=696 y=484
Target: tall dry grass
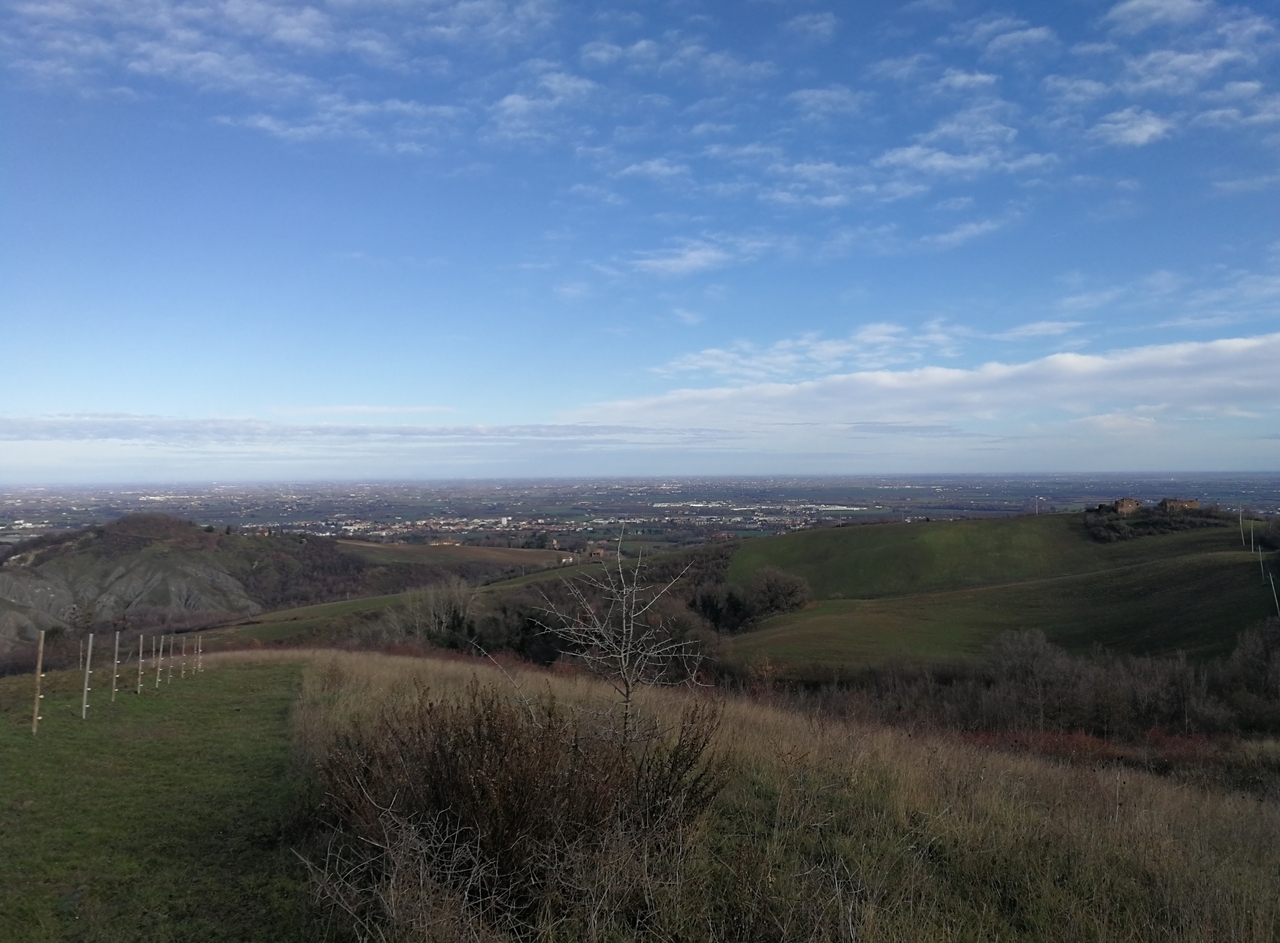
x=833 y=830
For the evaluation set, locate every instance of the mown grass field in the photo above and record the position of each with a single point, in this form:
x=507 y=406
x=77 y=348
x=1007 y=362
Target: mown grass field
x=161 y=818
x=945 y=589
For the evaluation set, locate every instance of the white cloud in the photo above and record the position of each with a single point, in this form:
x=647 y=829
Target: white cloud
x=1086 y=301
x=1133 y=16
x=1038 y=329
x=963 y=233
x=930 y=160
x=870 y=346
x=1176 y=73
x=537 y=114
x=899 y=69
x=1019 y=42
x=1074 y=90
x=1132 y=127
x=1177 y=382
x=816 y=27
x=961 y=80
x=693 y=256
x=658 y=168
x=817 y=103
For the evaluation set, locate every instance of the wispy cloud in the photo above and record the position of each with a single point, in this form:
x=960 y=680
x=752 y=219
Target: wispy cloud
x=815 y=27
x=693 y=256
x=689 y=256
x=816 y=103
x=1173 y=382
x=1134 y=16
x=870 y=346
x=1131 y=127
x=1038 y=329
x=965 y=232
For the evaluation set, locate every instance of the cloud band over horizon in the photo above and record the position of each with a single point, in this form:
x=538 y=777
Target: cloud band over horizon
x=1167 y=407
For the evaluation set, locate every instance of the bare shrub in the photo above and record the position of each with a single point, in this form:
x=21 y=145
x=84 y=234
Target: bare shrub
x=526 y=817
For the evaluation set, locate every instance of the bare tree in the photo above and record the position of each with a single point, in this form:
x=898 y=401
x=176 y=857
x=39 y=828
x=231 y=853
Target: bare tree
x=438 y=613
x=620 y=634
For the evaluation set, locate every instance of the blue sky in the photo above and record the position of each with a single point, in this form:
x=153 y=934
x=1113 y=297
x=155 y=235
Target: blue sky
x=252 y=239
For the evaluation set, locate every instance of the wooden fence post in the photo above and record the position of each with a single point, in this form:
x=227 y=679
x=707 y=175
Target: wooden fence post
x=115 y=669
x=169 y=679
x=183 y=674
x=88 y=670
x=1274 y=598
x=35 y=714
x=157 y=659
x=139 y=662
x=200 y=653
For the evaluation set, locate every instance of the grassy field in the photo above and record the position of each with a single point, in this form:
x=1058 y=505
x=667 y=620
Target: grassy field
x=1195 y=604
x=302 y=620
x=446 y=554
x=945 y=589
x=172 y=817
x=875 y=560
x=827 y=830
x=162 y=818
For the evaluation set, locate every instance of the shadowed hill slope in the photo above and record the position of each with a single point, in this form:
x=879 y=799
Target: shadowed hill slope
x=154 y=569
x=945 y=589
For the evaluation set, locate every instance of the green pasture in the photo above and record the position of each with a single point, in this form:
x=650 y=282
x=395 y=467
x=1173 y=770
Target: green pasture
x=1195 y=603
x=164 y=817
x=895 y=559
x=302 y=620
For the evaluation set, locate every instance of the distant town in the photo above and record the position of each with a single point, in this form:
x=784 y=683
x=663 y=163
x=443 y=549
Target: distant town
x=575 y=515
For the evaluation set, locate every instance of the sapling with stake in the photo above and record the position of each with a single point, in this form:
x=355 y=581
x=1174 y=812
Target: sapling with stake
x=115 y=669
x=35 y=714
x=88 y=670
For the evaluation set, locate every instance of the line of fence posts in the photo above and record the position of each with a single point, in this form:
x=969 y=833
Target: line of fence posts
x=86 y=665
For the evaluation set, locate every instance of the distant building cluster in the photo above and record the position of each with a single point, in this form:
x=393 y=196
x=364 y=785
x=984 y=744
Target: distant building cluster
x=1126 y=506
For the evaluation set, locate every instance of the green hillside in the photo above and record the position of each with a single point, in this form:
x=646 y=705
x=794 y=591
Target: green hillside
x=945 y=589
x=894 y=559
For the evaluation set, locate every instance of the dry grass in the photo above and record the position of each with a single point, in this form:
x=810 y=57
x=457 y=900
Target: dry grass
x=833 y=830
